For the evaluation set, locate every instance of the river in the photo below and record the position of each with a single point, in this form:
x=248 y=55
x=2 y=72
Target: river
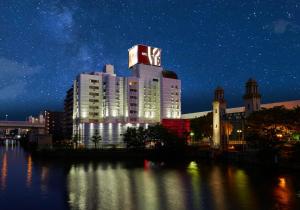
x=28 y=183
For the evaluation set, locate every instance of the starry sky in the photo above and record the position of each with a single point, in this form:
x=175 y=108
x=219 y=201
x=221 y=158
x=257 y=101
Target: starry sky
x=209 y=43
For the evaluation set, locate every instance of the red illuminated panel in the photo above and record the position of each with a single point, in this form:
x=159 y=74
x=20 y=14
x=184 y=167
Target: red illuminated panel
x=145 y=55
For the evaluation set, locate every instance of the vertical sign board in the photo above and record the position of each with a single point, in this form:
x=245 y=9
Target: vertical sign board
x=145 y=55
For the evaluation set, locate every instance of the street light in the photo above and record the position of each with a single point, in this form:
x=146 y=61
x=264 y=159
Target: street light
x=6 y=116
x=192 y=135
x=239 y=131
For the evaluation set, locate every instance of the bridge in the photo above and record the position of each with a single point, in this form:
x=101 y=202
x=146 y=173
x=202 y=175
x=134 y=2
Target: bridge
x=20 y=124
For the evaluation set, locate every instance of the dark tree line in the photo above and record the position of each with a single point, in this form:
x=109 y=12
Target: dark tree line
x=272 y=126
x=154 y=136
x=202 y=126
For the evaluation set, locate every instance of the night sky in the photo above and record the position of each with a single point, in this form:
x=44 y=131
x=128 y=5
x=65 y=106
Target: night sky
x=45 y=44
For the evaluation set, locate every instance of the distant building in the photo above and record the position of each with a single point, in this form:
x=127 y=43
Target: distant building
x=235 y=116
x=54 y=124
x=40 y=119
x=110 y=103
x=68 y=114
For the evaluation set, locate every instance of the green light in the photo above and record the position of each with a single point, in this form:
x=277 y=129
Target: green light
x=296 y=136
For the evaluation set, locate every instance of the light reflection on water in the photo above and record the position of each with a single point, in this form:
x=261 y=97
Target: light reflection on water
x=142 y=185
x=154 y=186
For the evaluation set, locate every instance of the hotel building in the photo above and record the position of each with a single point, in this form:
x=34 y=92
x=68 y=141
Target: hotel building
x=111 y=103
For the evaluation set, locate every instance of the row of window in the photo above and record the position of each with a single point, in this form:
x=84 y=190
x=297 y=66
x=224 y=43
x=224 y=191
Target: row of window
x=133 y=97
x=94 y=81
x=132 y=83
x=94 y=87
x=133 y=90
x=133 y=104
x=94 y=94
x=93 y=113
x=93 y=100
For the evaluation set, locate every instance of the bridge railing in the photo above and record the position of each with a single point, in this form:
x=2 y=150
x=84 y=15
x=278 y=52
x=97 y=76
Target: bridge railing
x=5 y=123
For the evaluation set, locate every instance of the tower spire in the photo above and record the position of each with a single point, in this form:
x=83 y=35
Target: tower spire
x=252 y=97
x=219 y=110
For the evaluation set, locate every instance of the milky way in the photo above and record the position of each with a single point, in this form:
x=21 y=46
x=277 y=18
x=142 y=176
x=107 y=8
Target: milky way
x=44 y=44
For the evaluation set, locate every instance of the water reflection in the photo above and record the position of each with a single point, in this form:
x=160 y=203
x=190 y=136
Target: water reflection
x=154 y=186
x=44 y=179
x=116 y=187
x=29 y=171
x=3 y=171
x=56 y=184
x=283 y=194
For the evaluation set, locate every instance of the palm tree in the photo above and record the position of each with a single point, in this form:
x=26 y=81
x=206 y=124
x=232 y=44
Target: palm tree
x=96 y=138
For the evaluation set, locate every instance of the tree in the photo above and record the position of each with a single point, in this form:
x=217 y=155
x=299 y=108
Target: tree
x=76 y=139
x=162 y=136
x=268 y=127
x=202 y=126
x=134 y=137
x=137 y=137
x=96 y=138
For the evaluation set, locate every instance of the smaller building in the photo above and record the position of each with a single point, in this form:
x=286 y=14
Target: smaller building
x=54 y=124
x=179 y=127
x=68 y=115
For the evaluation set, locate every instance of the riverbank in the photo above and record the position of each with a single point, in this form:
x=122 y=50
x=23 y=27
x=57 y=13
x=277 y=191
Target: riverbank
x=123 y=153
x=258 y=158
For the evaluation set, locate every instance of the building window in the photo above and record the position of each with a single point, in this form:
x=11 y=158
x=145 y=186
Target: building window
x=93 y=113
x=94 y=107
x=93 y=100
x=94 y=94
x=132 y=83
x=94 y=81
x=94 y=87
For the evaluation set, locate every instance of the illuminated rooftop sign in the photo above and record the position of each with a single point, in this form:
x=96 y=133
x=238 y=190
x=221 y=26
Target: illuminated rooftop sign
x=145 y=55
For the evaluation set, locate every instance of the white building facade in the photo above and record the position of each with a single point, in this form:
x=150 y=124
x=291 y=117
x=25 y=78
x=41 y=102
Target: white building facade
x=109 y=103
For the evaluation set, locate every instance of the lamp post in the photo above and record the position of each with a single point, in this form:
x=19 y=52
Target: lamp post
x=6 y=115
x=239 y=131
x=192 y=136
